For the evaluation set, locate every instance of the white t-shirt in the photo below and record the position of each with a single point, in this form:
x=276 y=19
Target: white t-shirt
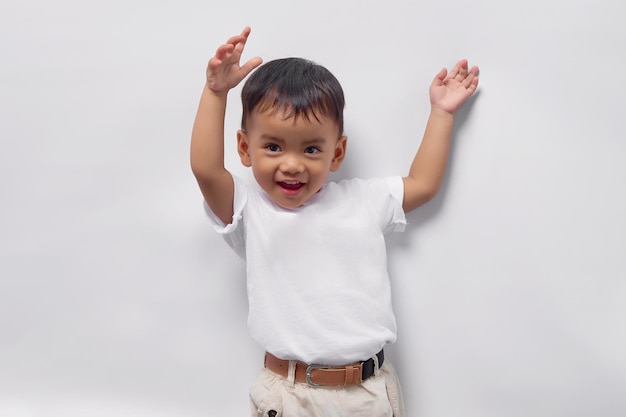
x=318 y=288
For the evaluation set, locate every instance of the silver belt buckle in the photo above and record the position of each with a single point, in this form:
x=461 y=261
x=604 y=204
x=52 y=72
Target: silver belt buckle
x=310 y=369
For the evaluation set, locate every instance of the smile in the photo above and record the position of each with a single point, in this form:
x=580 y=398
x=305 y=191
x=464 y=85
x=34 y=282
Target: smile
x=291 y=186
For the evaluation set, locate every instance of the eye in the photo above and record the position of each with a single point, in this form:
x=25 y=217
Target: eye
x=312 y=150
x=272 y=147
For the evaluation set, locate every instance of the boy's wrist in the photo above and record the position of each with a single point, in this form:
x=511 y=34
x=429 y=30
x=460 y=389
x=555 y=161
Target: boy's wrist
x=436 y=111
x=217 y=93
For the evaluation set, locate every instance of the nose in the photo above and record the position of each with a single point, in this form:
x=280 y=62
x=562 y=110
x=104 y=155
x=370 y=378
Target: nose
x=291 y=164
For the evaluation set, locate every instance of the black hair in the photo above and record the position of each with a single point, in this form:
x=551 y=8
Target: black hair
x=297 y=86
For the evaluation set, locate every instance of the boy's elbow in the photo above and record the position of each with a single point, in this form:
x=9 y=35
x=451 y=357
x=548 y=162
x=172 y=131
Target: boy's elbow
x=205 y=171
x=429 y=194
x=197 y=169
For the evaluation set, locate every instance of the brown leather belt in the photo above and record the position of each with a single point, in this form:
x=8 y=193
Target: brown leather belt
x=322 y=375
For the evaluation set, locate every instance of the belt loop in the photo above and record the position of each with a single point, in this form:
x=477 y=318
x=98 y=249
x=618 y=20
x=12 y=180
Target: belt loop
x=291 y=373
x=376 y=367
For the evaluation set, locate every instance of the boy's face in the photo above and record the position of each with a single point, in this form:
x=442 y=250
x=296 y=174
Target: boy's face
x=290 y=158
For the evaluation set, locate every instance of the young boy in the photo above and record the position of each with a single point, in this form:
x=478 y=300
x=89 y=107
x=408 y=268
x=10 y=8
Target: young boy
x=318 y=290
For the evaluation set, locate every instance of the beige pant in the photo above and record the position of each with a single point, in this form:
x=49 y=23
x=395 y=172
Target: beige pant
x=378 y=396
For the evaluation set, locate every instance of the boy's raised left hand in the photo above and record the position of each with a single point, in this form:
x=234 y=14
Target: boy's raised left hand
x=449 y=91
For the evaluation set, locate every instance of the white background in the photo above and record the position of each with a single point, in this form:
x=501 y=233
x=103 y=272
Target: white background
x=117 y=299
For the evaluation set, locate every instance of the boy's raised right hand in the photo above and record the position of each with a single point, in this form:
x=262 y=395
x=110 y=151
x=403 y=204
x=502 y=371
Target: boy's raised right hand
x=224 y=70
x=207 y=138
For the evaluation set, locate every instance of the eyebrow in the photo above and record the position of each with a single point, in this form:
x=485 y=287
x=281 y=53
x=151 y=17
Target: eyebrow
x=311 y=141
x=272 y=138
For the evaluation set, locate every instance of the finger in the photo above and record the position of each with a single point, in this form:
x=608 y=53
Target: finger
x=214 y=63
x=471 y=76
x=475 y=73
x=243 y=38
x=462 y=69
x=459 y=69
x=454 y=71
x=467 y=81
x=239 y=47
x=246 y=32
x=234 y=40
x=223 y=50
x=440 y=77
x=473 y=86
x=251 y=64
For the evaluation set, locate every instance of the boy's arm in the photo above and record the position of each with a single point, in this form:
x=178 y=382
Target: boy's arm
x=207 y=139
x=447 y=93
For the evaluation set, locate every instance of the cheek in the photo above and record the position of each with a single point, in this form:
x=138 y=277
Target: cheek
x=320 y=169
x=258 y=157
x=263 y=165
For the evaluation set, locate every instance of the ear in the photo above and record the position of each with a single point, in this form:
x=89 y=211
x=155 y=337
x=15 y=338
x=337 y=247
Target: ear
x=243 y=148
x=340 y=153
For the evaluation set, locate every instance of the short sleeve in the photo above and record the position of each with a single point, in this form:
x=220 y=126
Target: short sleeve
x=232 y=233
x=395 y=213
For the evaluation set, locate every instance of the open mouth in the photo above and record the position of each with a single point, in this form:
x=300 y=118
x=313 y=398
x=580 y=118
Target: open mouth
x=291 y=186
